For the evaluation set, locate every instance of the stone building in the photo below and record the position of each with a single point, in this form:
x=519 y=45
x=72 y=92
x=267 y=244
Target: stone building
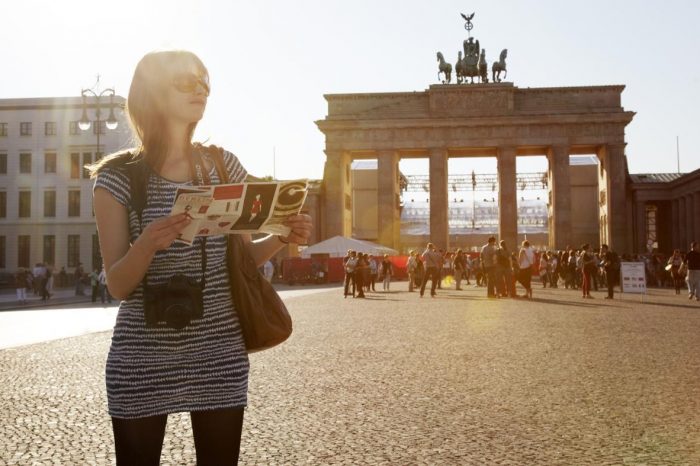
x=45 y=194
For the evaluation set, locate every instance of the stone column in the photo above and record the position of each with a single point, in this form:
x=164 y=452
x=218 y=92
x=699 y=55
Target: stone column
x=640 y=222
x=439 y=227
x=675 y=238
x=689 y=221
x=338 y=200
x=696 y=216
x=389 y=221
x=682 y=224
x=612 y=157
x=560 y=195
x=507 y=197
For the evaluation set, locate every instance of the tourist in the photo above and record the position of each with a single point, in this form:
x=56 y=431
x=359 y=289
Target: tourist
x=102 y=284
x=94 y=284
x=505 y=272
x=78 y=275
x=459 y=265
x=488 y=265
x=526 y=261
x=692 y=262
x=674 y=267
x=349 y=264
x=411 y=269
x=588 y=267
x=611 y=265
x=387 y=270
x=361 y=273
x=373 y=273
x=544 y=268
x=21 y=285
x=432 y=262
x=553 y=276
x=156 y=367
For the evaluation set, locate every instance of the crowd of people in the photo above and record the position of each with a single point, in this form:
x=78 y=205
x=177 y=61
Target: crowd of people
x=41 y=280
x=499 y=269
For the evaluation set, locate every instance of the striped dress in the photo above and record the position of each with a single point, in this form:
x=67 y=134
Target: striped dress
x=158 y=370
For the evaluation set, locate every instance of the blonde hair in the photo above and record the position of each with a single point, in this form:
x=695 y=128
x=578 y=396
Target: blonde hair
x=144 y=108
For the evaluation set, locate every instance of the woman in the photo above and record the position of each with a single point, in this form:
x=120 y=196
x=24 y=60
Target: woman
x=588 y=265
x=674 y=266
x=21 y=285
x=544 y=268
x=361 y=273
x=155 y=370
x=459 y=265
x=387 y=271
x=526 y=259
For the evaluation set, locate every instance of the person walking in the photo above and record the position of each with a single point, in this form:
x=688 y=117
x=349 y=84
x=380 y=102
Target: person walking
x=505 y=270
x=588 y=265
x=488 y=264
x=361 y=273
x=373 y=273
x=611 y=265
x=177 y=360
x=432 y=263
x=21 y=285
x=102 y=285
x=350 y=263
x=526 y=260
x=411 y=268
x=387 y=270
x=674 y=266
x=94 y=284
x=692 y=263
x=459 y=265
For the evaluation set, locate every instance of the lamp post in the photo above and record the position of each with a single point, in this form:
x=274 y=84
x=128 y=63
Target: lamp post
x=473 y=201
x=85 y=123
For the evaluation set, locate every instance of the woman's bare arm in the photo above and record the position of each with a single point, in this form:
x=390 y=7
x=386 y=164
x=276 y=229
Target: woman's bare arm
x=126 y=264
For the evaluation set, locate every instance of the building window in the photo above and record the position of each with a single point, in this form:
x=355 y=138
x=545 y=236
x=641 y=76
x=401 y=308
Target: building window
x=49 y=249
x=87 y=160
x=73 y=250
x=96 y=256
x=102 y=126
x=3 y=204
x=49 y=203
x=50 y=162
x=3 y=164
x=50 y=128
x=75 y=165
x=74 y=203
x=25 y=204
x=25 y=163
x=2 y=253
x=3 y=130
x=73 y=128
x=23 y=250
x=25 y=128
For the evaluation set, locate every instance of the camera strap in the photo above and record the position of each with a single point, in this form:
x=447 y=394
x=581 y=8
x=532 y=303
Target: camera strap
x=139 y=174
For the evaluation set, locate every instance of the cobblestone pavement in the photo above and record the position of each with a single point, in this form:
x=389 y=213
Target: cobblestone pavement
x=396 y=379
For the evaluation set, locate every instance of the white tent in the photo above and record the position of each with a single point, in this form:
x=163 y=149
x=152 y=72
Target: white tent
x=338 y=246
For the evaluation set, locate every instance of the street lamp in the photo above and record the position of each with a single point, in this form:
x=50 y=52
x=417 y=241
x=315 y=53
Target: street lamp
x=473 y=201
x=85 y=123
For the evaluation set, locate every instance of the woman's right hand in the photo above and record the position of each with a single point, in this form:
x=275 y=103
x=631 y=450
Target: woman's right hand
x=161 y=233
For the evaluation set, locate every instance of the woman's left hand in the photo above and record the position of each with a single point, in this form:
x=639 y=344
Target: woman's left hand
x=301 y=228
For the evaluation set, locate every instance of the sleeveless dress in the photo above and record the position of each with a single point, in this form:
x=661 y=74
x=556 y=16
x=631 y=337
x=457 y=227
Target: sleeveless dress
x=158 y=370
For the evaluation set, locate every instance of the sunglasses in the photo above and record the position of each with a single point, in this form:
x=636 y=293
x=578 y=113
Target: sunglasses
x=188 y=83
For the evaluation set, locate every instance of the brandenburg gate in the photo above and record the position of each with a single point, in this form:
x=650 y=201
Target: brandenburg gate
x=468 y=119
x=495 y=119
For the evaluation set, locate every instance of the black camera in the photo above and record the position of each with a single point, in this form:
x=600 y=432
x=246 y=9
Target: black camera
x=176 y=302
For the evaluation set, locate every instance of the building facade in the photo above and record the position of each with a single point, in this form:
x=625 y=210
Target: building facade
x=46 y=212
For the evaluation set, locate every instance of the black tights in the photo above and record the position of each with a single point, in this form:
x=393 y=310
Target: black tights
x=217 y=438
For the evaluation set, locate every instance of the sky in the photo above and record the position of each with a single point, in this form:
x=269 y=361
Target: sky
x=271 y=62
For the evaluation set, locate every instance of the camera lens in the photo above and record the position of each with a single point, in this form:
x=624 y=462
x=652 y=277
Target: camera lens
x=177 y=316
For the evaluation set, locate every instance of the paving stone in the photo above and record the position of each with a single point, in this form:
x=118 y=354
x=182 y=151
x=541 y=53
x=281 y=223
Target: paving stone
x=396 y=379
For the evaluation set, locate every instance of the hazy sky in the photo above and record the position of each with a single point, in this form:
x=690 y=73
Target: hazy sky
x=271 y=61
